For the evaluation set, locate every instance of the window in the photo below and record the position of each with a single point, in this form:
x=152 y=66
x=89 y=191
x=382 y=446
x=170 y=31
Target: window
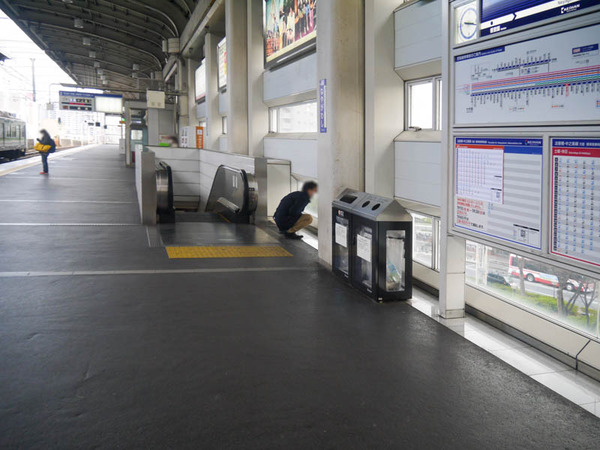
x=426 y=240
x=294 y=118
x=423 y=104
x=561 y=295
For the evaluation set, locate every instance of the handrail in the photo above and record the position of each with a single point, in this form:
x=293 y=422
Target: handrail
x=233 y=195
x=165 y=207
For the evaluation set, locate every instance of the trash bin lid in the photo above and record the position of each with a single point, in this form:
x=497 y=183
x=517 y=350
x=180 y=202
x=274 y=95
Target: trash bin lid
x=381 y=209
x=347 y=199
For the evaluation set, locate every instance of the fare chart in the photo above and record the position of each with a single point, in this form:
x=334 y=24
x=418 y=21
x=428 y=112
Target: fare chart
x=554 y=78
x=498 y=188
x=576 y=199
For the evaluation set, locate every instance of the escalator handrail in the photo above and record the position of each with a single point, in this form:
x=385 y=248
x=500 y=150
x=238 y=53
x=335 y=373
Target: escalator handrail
x=246 y=208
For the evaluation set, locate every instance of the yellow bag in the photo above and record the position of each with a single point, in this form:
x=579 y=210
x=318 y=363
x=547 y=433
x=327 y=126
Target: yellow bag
x=42 y=148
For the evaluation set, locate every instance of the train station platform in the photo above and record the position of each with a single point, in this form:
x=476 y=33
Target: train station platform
x=117 y=335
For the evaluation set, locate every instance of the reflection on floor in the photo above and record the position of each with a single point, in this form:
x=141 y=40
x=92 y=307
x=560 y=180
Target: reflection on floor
x=559 y=377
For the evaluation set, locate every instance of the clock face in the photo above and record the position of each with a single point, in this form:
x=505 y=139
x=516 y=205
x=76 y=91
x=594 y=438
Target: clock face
x=467 y=23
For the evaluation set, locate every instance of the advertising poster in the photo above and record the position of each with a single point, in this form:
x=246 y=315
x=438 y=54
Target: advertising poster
x=222 y=59
x=200 y=82
x=289 y=27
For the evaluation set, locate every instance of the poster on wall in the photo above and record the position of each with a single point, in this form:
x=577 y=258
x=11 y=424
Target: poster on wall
x=290 y=28
x=500 y=15
x=550 y=79
x=200 y=82
x=222 y=59
x=498 y=188
x=576 y=199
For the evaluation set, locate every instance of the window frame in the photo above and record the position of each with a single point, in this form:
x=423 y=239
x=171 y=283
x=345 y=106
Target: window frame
x=435 y=240
x=275 y=117
x=436 y=96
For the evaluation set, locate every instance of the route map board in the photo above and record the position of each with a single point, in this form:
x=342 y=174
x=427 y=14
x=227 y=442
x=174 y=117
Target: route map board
x=498 y=188
x=500 y=15
x=551 y=79
x=576 y=199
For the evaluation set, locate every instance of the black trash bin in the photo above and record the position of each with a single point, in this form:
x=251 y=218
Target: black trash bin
x=381 y=262
x=341 y=230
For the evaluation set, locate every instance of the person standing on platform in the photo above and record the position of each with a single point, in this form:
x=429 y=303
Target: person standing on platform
x=48 y=146
x=289 y=217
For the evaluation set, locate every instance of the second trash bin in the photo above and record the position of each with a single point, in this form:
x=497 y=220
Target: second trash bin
x=372 y=245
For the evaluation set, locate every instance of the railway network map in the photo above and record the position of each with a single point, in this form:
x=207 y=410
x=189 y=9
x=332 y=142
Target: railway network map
x=551 y=79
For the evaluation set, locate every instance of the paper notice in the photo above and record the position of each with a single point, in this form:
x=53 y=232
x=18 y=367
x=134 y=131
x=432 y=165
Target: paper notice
x=341 y=235
x=363 y=247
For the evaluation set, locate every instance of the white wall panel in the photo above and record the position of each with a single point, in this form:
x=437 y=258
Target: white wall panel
x=292 y=79
x=302 y=153
x=417 y=171
x=185 y=167
x=418 y=36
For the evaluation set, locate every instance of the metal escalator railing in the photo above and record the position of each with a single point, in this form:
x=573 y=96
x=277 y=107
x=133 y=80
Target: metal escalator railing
x=165 y=207
x=234 y=195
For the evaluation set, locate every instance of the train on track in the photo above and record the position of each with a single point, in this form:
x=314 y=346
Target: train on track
x=13 y=139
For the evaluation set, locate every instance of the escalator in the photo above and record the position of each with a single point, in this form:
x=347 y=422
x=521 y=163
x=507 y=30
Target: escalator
x=233 y=196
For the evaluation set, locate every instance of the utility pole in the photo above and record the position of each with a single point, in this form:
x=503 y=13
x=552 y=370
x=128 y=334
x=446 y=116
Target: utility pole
x=33 y=78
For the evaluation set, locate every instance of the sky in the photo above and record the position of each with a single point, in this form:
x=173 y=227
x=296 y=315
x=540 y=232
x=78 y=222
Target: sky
x=15 y=44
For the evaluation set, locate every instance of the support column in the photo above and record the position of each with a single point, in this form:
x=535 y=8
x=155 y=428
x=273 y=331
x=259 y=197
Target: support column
x=213 y=118
x=236 y=25
x=340 y=62
x=452 y=248
x=191 y=66
x=384 y=97
x=258 y=113
x=181 y=85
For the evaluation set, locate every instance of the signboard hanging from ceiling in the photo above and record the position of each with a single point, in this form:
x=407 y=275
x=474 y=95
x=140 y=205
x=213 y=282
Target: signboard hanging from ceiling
x=109 y=104
x=76 y=101
x=289 y=28
x=222 y=59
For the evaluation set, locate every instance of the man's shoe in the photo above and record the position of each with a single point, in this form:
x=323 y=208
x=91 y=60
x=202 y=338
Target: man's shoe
x=292 y=236
x=43 y=173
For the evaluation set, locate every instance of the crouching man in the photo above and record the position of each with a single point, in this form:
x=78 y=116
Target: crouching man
x=289 y=217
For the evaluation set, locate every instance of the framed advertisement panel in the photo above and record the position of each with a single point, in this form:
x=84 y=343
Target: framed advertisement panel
x=289 y=28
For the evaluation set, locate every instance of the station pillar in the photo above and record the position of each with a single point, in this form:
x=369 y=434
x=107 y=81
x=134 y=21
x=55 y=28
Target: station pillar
x=340 y=77
x=258 y=112
x=236 y=26
x=384 y=97
x=213 y=118
x=191 y=65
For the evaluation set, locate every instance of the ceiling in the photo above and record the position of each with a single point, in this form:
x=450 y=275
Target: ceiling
x=121 y=33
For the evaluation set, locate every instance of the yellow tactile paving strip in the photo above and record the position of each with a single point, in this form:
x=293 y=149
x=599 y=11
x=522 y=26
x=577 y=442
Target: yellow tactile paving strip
x=227 y=252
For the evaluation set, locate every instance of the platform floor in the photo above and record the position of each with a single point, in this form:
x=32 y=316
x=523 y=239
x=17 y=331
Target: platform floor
x=105 y=342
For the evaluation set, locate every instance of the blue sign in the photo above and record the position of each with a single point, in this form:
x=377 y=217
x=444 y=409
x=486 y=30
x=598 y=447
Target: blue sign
x=500 y=15
x=323 y=105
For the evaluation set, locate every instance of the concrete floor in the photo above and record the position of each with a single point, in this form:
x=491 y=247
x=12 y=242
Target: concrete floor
x=106 y=343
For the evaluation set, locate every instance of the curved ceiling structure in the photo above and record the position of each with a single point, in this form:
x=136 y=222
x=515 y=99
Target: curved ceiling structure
x=98 y=42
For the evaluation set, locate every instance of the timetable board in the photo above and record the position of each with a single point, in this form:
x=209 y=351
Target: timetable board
x=576 y=199
x=498 y=188
x=555 y=78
